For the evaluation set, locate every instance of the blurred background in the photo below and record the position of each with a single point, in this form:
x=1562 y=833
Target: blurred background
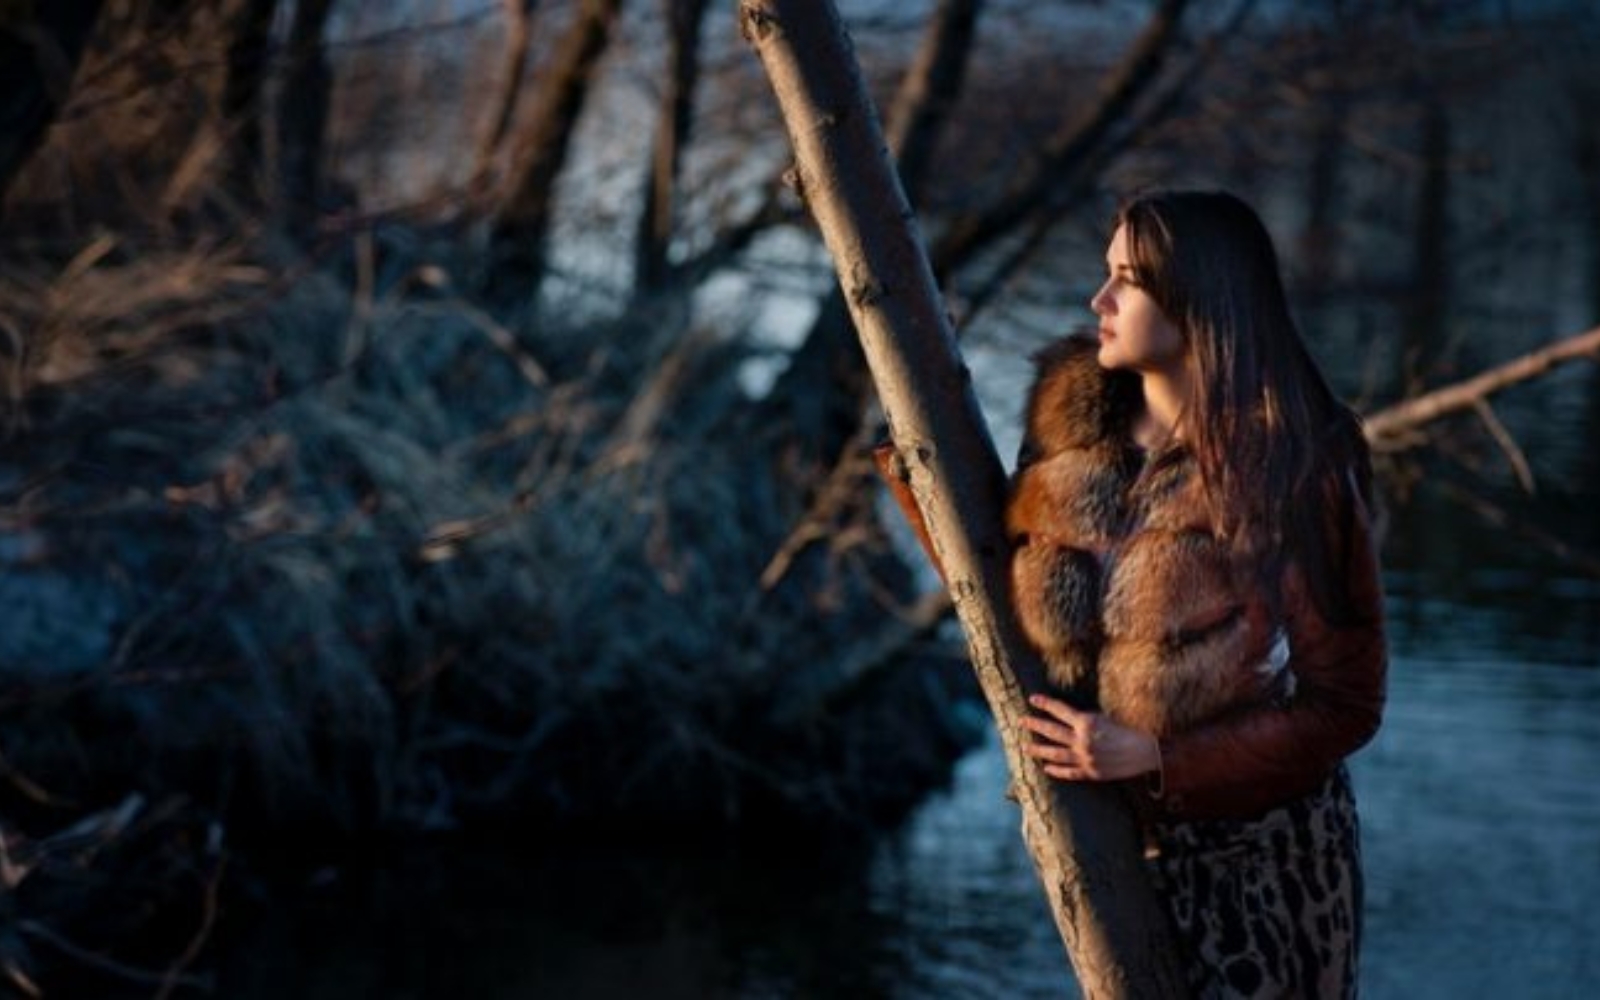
x=439 y=548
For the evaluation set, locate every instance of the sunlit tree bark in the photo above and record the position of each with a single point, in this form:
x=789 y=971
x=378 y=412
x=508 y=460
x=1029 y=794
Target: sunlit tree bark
x=40 y=48
x=821 y=393
x=1083 y=838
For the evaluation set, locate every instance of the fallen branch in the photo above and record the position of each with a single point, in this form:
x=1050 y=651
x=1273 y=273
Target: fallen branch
x=1393 y=428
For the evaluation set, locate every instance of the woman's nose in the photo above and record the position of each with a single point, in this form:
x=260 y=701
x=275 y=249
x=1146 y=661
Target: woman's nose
x=1100 y=303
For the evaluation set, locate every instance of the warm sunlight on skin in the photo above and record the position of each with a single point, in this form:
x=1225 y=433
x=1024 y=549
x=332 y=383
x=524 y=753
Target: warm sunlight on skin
x=1074 y=745
x=1137 y=335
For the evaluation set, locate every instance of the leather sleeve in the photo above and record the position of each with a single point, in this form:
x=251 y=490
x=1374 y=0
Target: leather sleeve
x=892 y=472
x=1262 y=756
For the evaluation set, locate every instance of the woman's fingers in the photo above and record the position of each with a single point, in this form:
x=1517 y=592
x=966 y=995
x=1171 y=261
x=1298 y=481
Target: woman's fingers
x=1049 y=729
x=1058 y=709
x=1054 y=752
x=1075 y=745
x=1062 y=739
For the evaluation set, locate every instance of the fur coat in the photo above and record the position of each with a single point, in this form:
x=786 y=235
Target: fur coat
x=1117 y=575
x=1119 y=581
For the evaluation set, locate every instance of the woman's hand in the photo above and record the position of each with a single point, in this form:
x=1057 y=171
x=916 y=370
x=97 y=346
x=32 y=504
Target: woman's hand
x=1075 y=745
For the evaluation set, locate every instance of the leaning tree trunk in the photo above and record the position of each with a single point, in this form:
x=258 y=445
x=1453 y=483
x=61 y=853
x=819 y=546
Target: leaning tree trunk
x=820 y=389
x=1083 y=838
x=821 y=396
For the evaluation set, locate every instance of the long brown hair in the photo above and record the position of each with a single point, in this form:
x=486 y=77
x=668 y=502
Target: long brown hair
x=1282 y=460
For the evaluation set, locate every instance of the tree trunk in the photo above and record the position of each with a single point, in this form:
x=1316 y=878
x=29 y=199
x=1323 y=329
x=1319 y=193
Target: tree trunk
x=822 y=387
x=303 y=117
x=244 y=88
x=521 y=227
x=519 y=38
x=1319 y=239
x=821 y=394
x=1083 y=837
x=651 y=267
x=38 y=57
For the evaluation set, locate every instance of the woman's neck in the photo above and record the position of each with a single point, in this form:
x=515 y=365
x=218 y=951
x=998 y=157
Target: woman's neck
x=1165 y=396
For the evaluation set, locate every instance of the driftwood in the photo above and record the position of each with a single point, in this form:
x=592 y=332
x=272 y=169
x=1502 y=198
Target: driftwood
x=1083 y=837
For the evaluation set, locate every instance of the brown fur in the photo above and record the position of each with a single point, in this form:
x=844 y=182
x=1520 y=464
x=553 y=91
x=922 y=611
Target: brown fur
x=1066 y=507
x=1168 y=634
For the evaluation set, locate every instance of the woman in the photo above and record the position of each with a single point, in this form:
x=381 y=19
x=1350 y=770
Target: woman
x=1194 y=556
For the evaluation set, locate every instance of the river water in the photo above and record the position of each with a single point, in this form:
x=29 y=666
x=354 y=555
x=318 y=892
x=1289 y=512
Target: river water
x=1479 y=799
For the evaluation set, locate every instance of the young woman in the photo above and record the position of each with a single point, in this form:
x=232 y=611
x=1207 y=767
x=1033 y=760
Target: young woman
x=1194 y=558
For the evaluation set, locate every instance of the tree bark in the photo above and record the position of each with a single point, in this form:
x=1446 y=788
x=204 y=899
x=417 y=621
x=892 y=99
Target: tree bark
x=651 y=266
x=519 y=39
x=303 y=117
x=1319 y=238
x=244 y=88
x=820 y=395
x=38 y=57
x=1082 y=837
x=517 y=242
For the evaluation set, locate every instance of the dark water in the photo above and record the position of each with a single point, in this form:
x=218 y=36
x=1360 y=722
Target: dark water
x=1480 y=803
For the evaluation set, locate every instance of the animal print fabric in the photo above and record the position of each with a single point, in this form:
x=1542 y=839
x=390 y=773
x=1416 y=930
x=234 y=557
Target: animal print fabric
x=1267 y=908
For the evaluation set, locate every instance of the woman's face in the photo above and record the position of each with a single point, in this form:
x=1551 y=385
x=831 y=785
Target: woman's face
x=1135 y=333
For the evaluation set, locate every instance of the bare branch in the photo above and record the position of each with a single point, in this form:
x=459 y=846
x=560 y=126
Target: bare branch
x=673 y=123
x=1507 y=443
x=1138 y=69
x=1391 y=428
x=519 y=38
x=517 y=244
x=929 y=91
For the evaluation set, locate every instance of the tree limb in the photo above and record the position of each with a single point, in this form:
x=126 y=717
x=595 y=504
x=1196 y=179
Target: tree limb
x=519 y=39
x=521 y=227
x=1393 y=427
x=674 y=119
x=1138 y=69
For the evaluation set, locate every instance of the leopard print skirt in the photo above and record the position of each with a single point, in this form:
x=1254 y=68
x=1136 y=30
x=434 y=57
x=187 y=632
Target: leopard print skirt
x=1268 y=907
